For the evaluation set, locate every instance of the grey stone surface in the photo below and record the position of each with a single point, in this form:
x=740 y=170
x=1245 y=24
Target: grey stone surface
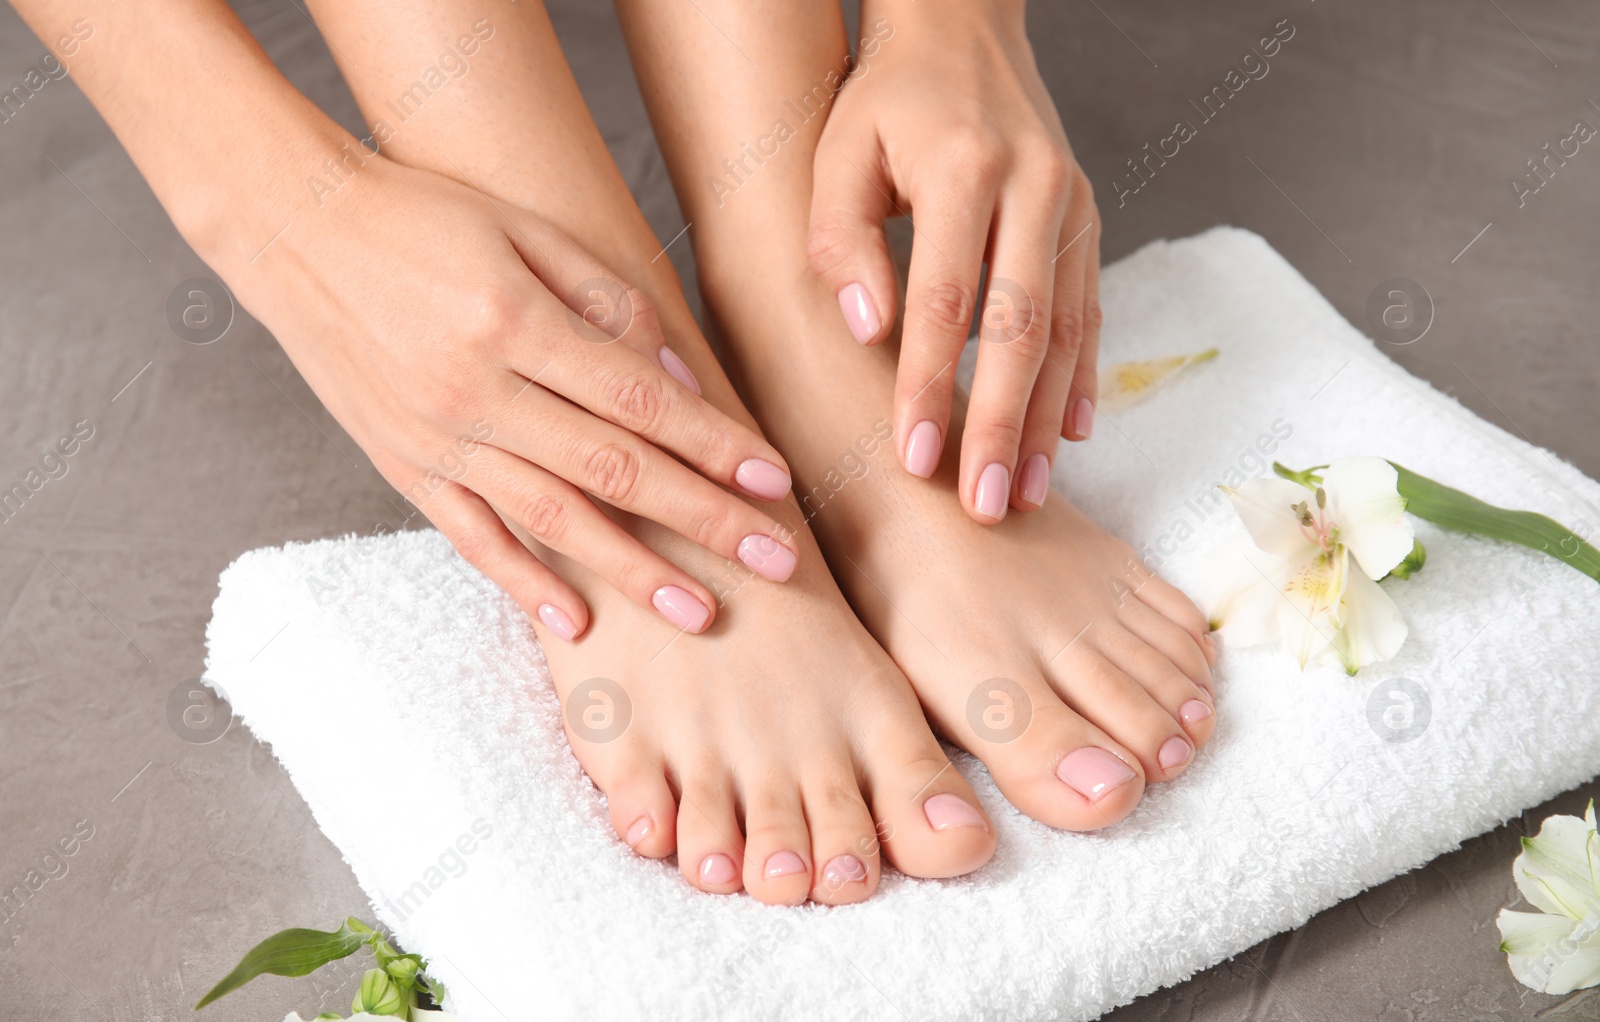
x=1379 y=145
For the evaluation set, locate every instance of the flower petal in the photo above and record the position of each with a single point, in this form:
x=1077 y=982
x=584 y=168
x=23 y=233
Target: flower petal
x=1365 y=504
x=1266 y=506
x=1372 y=626
x=1554 y=873
x=1239 y=589
x=1127 y=383
x=1530 y=933
x=1308 y=615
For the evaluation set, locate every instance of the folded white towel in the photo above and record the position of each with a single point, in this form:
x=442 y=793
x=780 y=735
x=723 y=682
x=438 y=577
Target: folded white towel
x=490 y=853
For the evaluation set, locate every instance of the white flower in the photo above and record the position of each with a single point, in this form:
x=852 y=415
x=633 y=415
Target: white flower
x=1310 y=583
x=1557 y=949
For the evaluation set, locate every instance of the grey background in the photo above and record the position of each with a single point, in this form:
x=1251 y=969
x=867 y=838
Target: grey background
x=1379 y=145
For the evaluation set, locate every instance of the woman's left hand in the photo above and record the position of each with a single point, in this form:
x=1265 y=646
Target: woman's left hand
x=945 y=118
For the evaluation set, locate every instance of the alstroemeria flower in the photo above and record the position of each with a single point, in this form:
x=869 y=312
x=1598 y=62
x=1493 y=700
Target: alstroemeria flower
x=1311 y=582
x=1557 y=949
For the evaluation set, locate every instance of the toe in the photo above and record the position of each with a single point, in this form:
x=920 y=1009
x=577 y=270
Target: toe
x=777 y=850
x=929 y=821
x=642 y=809
x=844 y=841
x=1170 y=639
x=709 y=846
x=1170 y=602
x=1190 y=704
x=1101 y=691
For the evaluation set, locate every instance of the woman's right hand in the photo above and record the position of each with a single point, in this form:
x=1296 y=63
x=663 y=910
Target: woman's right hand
x=492 y=368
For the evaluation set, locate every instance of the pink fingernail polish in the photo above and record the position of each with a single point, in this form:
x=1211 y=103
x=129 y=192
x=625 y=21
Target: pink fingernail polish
x=1093 y=772
x=1175 y=751
x=860 y=313
x=1193 y=712
x=762 y=479
x=681 y=607
x=557 y=621
x=717 y=870
x=1083 y=418
x=678 y=369
x=638 y=832
x=782 y=864
x=1036 y=479
x=994 y=486
x=946 y=812
x=922 y=448
x=767 y=557
x=844 y=869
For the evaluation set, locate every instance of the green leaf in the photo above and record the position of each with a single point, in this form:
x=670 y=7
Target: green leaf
x=294 y=952
x=1463 y=512
x=1307 y=478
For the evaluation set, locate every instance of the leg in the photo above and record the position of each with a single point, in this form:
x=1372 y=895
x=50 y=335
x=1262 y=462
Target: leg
x=1040 y=644
x=780 y=749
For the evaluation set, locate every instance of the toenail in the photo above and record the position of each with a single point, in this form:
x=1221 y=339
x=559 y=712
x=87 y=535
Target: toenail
x=678 y=369
x=762 y=479
x=1035 y=479
x=782 y=864
x=1175 y=752
x=679 y=606
x=638 y=832
x=717 y=870
x=557 y=621
x=1093 y=772
x=946 y=811
x=767 y=557
x=993 y=486
x=922 y=449
x=844 y=869
x=1193 y=712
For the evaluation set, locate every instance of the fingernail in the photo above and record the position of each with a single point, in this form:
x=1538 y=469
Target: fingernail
x=717 y=870
x=1193 y=712
x=678 y=369
x=1035 y=480
x=946 y=812
x=782 y=864
x=859 y=312
x=1083 y=418
x=638 y=832
x=767 y=557
x=762 y=479
x=922 y=449
x=680 y=606
x=1174 y=752
x=844 y=869
x=1093 y=772
x=993 y=487
x=557 y=621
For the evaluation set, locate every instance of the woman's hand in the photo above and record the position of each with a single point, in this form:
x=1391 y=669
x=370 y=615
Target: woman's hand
x=945 y=118
x=491 y=368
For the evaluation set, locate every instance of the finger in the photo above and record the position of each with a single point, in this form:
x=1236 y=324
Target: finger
x=628 y=473
x=484 y=542
x=849 y=202
x=556 y=514
x=1079 y=423
x=624 y=388
x=952 y=231
x=1013 y=335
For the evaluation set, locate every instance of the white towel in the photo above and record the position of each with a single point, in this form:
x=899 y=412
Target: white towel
x=413 y=710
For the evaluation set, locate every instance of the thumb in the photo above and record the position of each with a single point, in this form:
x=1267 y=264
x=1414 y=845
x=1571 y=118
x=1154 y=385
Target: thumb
x=849 y=203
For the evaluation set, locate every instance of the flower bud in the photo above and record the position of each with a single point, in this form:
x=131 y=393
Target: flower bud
x=379 y=995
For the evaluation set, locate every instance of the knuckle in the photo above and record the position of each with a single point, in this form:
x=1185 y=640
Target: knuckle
x=546 y=516
x=711 y=523
x=948 y=304
x=637 y=402
x=1066 y=326
x=829 y=245
x=493 y=315
x=974 y=153
x=473 y=545
x=1004 y=431
x=611 y=472
x=643 y=315
x=1053 y=170
x=1093 y=317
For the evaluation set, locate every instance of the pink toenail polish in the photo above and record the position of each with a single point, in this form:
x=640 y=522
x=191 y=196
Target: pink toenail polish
x=767 y=557
x=762 y=479
x=557 y=621
x=1093 y=772
x=717 y=870
x=994 y=486
x=638 y=832
x=922 y=449
x=860 y=312
x=679 y=606
x=782 y=864
x=844 y=869
x=1193 y=712
x=1036 y=479
x=678 y=369
x=1175 y=752
x=1083 y=418
x=946 y=812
